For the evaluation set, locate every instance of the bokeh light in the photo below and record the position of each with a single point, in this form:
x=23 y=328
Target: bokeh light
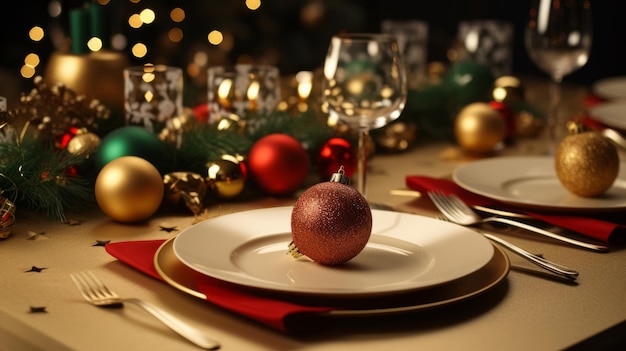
x=94 y=44
x=215 y=37
x=32 y=60
x=147 y=16
x=119 y=42
x=36 y=33
x=253 y=4
x=27 y=71
x=55 y=8
x=175 y=34
x=139 y=50
x=134 y=21
x=177 y=15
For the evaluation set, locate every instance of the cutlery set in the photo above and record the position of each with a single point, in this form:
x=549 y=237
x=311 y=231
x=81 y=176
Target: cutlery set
x=455 y=211
x=459 y=212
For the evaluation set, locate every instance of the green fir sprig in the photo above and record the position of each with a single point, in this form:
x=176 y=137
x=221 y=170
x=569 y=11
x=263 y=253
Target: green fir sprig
x=42 y=178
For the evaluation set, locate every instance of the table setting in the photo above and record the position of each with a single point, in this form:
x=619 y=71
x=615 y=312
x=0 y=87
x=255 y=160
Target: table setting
x=140 y=260
x=363 y=205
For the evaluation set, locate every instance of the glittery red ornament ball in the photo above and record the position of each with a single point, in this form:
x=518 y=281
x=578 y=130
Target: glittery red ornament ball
x=335 y=153
x=331 y=223
x=278 y=163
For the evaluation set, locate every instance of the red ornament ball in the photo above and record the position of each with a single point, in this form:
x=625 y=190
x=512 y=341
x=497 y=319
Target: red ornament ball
x=278 y=163
x=510 y=119
x=335 y=153
x=331 y=223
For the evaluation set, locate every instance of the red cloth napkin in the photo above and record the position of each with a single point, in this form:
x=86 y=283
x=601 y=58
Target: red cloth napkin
x=604 y=227
x=278 y=314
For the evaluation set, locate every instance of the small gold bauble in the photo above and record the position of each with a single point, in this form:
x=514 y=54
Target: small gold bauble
x=225 y=177
x=508 y=89
x=84 y=144
x=129 y=189
x=479 y=128
x=586 y=163
x=231 y=123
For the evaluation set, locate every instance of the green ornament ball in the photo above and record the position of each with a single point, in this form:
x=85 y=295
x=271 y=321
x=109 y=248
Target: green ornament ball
x=131 y=141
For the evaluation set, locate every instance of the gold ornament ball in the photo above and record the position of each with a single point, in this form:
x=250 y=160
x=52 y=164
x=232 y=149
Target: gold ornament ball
x=129 y=189
x=509 y=90
x=84 y=144
x=225 y=177
x=479 y=128
x=586 y=163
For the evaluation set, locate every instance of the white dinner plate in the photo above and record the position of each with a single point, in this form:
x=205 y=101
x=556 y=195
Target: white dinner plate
x=612 y=114
x=531 y=181
x=405 y=252
x=185 y=279
x=610 y=88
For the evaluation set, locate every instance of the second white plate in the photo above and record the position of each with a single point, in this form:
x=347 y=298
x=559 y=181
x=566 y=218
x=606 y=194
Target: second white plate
x=405 y=252
x=610 y=88
x=612 y=114
x=531 y=181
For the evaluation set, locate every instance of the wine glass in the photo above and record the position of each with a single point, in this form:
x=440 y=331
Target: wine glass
x=364 y=86
x=558 y=39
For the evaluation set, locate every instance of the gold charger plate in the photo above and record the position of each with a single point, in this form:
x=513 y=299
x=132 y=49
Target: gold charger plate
x=183 y=278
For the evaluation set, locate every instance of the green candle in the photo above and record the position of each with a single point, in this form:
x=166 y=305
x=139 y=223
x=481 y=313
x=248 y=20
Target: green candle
x=99 y=26
x=79 y=30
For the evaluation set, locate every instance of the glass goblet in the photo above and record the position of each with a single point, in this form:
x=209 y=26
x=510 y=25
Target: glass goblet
x=558 y=40
x=364 y=86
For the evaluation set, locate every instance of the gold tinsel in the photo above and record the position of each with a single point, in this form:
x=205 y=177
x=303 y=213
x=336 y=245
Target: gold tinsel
x=55 y=109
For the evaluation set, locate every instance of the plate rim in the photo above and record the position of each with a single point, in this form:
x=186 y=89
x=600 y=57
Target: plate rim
x=597 y=87
x=593 y=112
x=252 y=282
x=525 y=203
x=500 y=264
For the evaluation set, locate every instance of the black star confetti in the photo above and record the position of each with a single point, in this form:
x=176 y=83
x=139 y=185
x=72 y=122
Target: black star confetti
x=37 y=309
x=35 y=269
x=101 y=242
x=168 y=229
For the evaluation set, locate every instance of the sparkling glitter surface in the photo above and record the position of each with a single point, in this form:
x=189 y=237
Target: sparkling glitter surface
x=331 y=223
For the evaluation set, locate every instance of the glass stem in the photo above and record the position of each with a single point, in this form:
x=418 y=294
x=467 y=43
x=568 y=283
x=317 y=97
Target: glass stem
x=555 y=126
x=361 y=167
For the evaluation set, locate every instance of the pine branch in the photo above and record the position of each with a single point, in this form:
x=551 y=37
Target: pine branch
x=38 y=176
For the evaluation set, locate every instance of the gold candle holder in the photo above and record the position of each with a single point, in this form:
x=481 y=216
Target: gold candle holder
x=97 y=75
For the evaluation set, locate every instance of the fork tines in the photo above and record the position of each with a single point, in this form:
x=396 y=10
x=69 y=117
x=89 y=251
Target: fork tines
x=91 y=288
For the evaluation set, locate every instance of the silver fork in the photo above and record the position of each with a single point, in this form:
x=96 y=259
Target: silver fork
x=548 y=265
x=96 y=293
x=459 y=212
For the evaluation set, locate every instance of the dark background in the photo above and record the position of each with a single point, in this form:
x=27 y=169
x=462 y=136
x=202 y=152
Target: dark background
x=277 y=32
